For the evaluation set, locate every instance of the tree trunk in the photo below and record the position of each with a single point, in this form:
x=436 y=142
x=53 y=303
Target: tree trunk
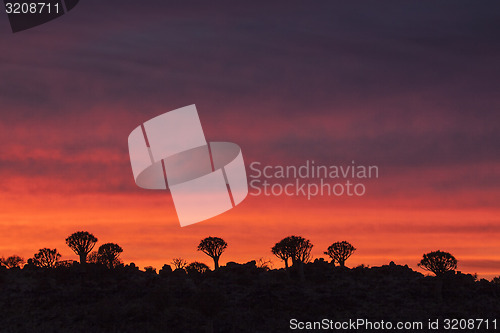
x=83 y=258
x=216 y=263
x=286 y=264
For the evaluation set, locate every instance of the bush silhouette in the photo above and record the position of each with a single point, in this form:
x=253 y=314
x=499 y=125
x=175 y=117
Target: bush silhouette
x=65 y=263
x=213 y=247
x=196 y=267
x=340 y=252
x=46 y=257
x=264 y=264
x=165 y=270
x=93 y=258
x=150 y=269
x=81 y=242
x=438 y=262
x=108 y=254
x=13 y=261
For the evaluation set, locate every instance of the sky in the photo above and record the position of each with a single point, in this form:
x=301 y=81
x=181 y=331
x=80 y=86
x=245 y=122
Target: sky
x=411 y=87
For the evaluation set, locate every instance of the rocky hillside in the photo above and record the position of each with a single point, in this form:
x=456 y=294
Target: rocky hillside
x=236 y=298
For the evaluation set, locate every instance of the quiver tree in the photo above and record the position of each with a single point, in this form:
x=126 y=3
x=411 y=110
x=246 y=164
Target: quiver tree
x=280 y=250
x=213 y=247
x=108 y=254
x=438 y=262
x=46 y=257
x=300 y=249
x=340 y=252
x=81 y=242
x=296 y=248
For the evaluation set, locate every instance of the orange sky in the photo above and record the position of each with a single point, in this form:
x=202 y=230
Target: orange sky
x=145 y=225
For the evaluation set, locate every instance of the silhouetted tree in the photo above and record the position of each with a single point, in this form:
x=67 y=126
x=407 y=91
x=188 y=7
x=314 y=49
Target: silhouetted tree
x=300 y=249
x=438 y=262
x=179 y=263
x=196 y=267
x=108 y=254
x=46 y=258
x=280 y=250
x=296 y=248
x=496 y=280
x=81 y=242
x=213 y=247
x=13 y=261
x=340 y=252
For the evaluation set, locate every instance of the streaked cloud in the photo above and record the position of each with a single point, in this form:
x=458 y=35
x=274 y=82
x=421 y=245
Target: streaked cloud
x=411 y=90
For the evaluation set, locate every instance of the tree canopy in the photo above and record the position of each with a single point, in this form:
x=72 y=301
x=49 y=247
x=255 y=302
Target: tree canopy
x=438 y=262
x=46 y=257
x=179 y=263
x=108 y=254
x=296 y=248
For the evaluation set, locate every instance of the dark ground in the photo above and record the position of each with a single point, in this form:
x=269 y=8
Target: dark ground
x=237 y=298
